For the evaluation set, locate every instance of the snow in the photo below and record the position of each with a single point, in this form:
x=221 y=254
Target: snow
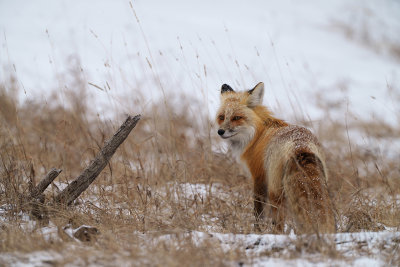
x=200 y=191
x=49 y=232
x=296 y=48
x=255 y=246
x=34 y=259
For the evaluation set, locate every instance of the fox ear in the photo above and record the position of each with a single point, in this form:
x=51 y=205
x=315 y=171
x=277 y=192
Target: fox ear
x=226 y=88
x=255 y=95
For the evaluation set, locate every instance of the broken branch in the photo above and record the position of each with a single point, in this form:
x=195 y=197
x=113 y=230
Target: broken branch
x=82 y=182
x=45 y=182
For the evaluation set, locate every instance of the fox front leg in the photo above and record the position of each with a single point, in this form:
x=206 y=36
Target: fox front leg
x=260 y=198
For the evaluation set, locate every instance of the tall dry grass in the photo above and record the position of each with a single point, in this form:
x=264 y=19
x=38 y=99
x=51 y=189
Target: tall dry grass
x=149 y=189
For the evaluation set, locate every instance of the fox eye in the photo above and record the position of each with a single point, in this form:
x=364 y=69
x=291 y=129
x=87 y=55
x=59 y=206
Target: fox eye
x=236 y=118
x=221 y=117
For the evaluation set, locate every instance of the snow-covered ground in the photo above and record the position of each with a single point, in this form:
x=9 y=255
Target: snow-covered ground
x=360 y=249
x=355 y=249
x=338 y=48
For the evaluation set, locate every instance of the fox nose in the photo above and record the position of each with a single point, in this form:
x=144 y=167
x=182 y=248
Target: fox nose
x=221 y=131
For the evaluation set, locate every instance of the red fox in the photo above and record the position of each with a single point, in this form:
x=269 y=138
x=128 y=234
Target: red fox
x=285 y=161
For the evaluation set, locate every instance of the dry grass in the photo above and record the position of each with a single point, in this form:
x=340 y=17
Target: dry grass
x=146 y=203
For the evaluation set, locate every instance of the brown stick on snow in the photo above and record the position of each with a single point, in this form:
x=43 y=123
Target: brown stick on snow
x=44 y=183
x=82 y=182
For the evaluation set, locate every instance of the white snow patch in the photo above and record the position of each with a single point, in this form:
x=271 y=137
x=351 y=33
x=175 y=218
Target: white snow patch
x=201 y=191
x=49 y=232
x=257 y=245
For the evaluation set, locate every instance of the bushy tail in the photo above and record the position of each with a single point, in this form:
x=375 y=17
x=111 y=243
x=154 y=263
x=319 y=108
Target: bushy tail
x=307 y=196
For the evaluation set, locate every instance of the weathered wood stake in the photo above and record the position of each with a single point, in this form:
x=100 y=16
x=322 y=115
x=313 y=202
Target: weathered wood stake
x=82 y=182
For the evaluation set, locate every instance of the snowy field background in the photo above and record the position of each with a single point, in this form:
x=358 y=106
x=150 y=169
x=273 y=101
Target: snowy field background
x=340 y=49
x=346 y=53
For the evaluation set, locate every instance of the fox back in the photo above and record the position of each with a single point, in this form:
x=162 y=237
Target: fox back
x=285 y=161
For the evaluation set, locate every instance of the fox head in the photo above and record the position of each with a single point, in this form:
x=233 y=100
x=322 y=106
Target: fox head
x=236 y=116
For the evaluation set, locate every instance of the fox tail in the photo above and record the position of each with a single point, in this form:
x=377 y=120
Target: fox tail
x=306 y=191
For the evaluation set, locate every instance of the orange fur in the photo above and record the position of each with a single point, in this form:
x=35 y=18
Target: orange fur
x=285 y=161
